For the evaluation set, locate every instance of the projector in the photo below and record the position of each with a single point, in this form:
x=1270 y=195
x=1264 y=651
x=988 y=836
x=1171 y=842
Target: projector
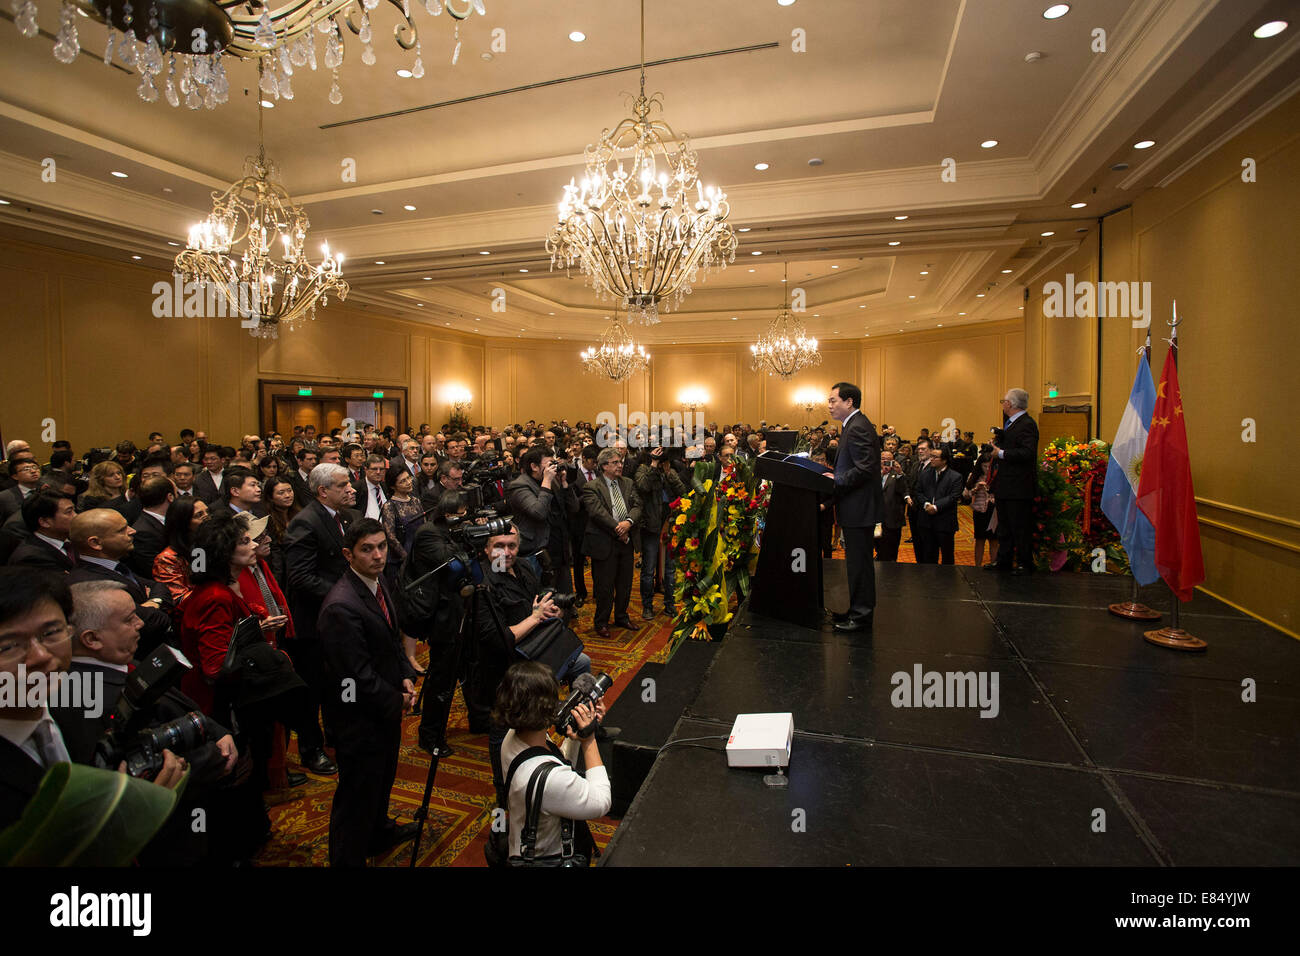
x=760 y=740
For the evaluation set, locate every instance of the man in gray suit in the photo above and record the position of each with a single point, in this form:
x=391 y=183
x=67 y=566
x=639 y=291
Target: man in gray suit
x=613 y=511
x=858 y=501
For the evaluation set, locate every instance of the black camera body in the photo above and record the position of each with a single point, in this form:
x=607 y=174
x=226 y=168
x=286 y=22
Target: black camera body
x=129 y=738
x=586 y=690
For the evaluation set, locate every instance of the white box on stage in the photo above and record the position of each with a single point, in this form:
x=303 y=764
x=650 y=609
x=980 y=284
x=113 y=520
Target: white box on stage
x=760 y=740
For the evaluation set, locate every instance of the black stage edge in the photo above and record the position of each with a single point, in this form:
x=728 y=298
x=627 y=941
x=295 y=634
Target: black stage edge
x=1105 y=750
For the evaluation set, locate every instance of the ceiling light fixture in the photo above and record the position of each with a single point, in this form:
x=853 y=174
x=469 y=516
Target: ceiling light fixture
x=577 y=36
x=1056 y=11
x=630 y=245
x=760 y=166
x=409 y=208
x=785 y=347
x=988 y=144
x=379 y=262
x=617 y=356
x=1006 y=272
x=1077 y=205
x=1270 y=29
x=136 y=257
x=484 y=252
x=1144 y=144
x=895 y=243
x=900 y=218
x=405 y=74
x=119 y=175
x=1046 y=234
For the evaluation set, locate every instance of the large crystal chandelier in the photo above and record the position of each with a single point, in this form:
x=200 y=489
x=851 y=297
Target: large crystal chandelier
x=786 y=347
x=234 y=251
x=632 y=245
x=178 y=45
x=617 y=356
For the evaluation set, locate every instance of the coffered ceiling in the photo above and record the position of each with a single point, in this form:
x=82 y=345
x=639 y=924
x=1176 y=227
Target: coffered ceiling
x=886 y=91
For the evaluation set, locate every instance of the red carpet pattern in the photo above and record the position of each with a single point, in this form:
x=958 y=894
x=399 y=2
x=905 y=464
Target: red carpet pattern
x=461 y=802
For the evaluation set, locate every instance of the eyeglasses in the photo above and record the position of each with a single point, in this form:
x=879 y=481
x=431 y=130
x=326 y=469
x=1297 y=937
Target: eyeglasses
x=14 y=648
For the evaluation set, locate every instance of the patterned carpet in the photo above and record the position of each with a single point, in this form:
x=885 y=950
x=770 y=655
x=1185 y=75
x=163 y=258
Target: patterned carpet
x=460 y=806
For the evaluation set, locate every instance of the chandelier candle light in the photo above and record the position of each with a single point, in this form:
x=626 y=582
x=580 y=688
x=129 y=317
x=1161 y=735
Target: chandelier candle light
x=254 y=216
x=617 y=357
x=641 y=226
x=786 y=347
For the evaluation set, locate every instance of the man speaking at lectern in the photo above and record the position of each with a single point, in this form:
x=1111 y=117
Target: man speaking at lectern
x=858 y=502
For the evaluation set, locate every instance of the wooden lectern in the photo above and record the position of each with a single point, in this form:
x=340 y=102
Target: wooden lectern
x=788 y=584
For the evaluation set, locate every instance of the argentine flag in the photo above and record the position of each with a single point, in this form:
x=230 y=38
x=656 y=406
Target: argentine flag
x=1119 y=494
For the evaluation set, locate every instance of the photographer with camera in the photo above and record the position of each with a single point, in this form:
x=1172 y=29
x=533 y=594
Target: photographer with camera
x=658 y=484
x=541 y=500
x=518 y=617
x=525 y=703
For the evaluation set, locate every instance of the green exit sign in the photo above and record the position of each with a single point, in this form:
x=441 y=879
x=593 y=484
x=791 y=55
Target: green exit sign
x=1052 y=393
x=376 y=394
x=304 y=391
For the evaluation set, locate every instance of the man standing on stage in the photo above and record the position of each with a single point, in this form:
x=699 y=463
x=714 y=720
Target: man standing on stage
x=858 y=501
x=1015 y=447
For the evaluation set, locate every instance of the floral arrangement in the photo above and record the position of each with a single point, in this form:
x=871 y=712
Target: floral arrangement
x=1069 y=485
x=697 y=544
x=742 y=505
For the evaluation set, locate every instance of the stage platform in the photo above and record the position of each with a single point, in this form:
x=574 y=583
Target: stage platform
x=1105 y=750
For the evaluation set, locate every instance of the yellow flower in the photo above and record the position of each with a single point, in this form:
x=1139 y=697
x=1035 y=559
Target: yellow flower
x=681 y=519
x=708 y=485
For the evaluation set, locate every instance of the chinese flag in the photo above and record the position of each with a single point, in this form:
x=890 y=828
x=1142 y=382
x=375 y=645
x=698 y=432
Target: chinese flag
x=1165 y=492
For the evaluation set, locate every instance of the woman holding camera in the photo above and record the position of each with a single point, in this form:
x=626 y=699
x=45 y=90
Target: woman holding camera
x=525 y=703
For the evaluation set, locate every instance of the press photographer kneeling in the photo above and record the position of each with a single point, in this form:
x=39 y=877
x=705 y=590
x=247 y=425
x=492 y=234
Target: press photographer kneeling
x=526 y=703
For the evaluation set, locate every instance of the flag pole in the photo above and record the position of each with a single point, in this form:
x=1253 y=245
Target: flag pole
x=1133 y=609
x=1173 y=636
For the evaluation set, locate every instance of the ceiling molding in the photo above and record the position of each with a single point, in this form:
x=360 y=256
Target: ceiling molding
x=1211 y=113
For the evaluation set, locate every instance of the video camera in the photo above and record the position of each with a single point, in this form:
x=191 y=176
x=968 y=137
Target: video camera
x=468 y=538
x=487 y=465
x=129 y=737
x=586 y=690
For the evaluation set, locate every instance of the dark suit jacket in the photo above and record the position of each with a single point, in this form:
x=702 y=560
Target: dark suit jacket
x=148 y=543
x=599 y=540
x=205 y=487
x=858 y=500
x=220 y=507
x=20 y=776
x=943 y=491
x=35 y=553
x=13 y=534
x=313 y=550
x=1017 y=474
x=893 y=514
x=157 y=621
x=302 y=495
x=358 y=643
x=11 y=501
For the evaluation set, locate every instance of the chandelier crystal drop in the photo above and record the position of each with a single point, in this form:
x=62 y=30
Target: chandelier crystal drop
x=249 y=252
x=617 y=357
x=786 y=347
x=200 y=31
x=641 y=225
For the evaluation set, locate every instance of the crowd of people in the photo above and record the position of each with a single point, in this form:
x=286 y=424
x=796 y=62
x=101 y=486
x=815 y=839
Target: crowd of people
x=299 y=577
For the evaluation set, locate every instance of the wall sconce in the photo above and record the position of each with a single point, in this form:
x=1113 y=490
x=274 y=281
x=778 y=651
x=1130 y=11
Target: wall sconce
x=458 y=398
x=694 y=399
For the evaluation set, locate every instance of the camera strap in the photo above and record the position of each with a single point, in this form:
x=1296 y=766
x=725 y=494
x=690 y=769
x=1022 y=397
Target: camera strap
x=533 y=802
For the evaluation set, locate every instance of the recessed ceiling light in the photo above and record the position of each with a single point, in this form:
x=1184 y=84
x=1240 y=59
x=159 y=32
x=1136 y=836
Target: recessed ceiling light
x=925 y=272
x=1144 y=144
x=911 y=297
x=577 y=36
x=523 y=270
x=900 y=218
x=484 y=252
x=1006 y=272
x=979 y=295
x=379 y=262
x=815 y=161
x=409 y=208
x=756 y=253
x=5 y=202
x=376 y=212
x=760 y=166
x=1119 y=167
x=837 y=331
x=135 y=257
x=941 y=324
x=1056 y=11
x=1270 y=29
x=1077 y=205
x=428 y=278
x=988 y=144
x=477 y=319
x=486 y=55
x=895 y=243
x=784 y=3
x=733 y=318
x=753 y=270
x=119 y=175
x=1046 y=234
x=267 y=105
x=170 y=243
x=743 y=229
x=961 y=313
x=862 y=307
x=834 y=267
x=817 y=315
x=167 y=189
x=405 y=74
x=550 y=313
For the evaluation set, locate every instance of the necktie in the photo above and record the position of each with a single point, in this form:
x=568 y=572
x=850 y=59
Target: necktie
x=616 y=496
x=339 y=521
x=272 y=608
x=383 y=605
x=52 y=751
x=125 y=570
x=379 y=496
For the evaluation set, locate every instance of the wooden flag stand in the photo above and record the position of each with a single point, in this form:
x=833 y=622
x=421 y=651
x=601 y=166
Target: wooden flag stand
x=1174 y=637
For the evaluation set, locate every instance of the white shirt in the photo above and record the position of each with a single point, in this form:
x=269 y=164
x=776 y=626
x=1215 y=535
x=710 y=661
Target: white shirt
x=82 y=659
x=845 y=424
x=567 y=794
x=161 y=519
x=21 y=732
x=102 y=562
x=54 y=543
x=216 y=479
x=372 y=583
x=372 y=506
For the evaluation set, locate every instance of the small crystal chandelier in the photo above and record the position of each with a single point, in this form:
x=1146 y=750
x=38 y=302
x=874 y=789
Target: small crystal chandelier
x=632 y=246
x=178 y=45
x=257 y=214
x=617 y=357
x=786 y=347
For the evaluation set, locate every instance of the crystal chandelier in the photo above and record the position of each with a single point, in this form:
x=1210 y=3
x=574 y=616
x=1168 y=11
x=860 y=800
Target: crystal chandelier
x=617 y=357
x=178 y=45
x=786 y=347
x=255 y=216
x=631 y=245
